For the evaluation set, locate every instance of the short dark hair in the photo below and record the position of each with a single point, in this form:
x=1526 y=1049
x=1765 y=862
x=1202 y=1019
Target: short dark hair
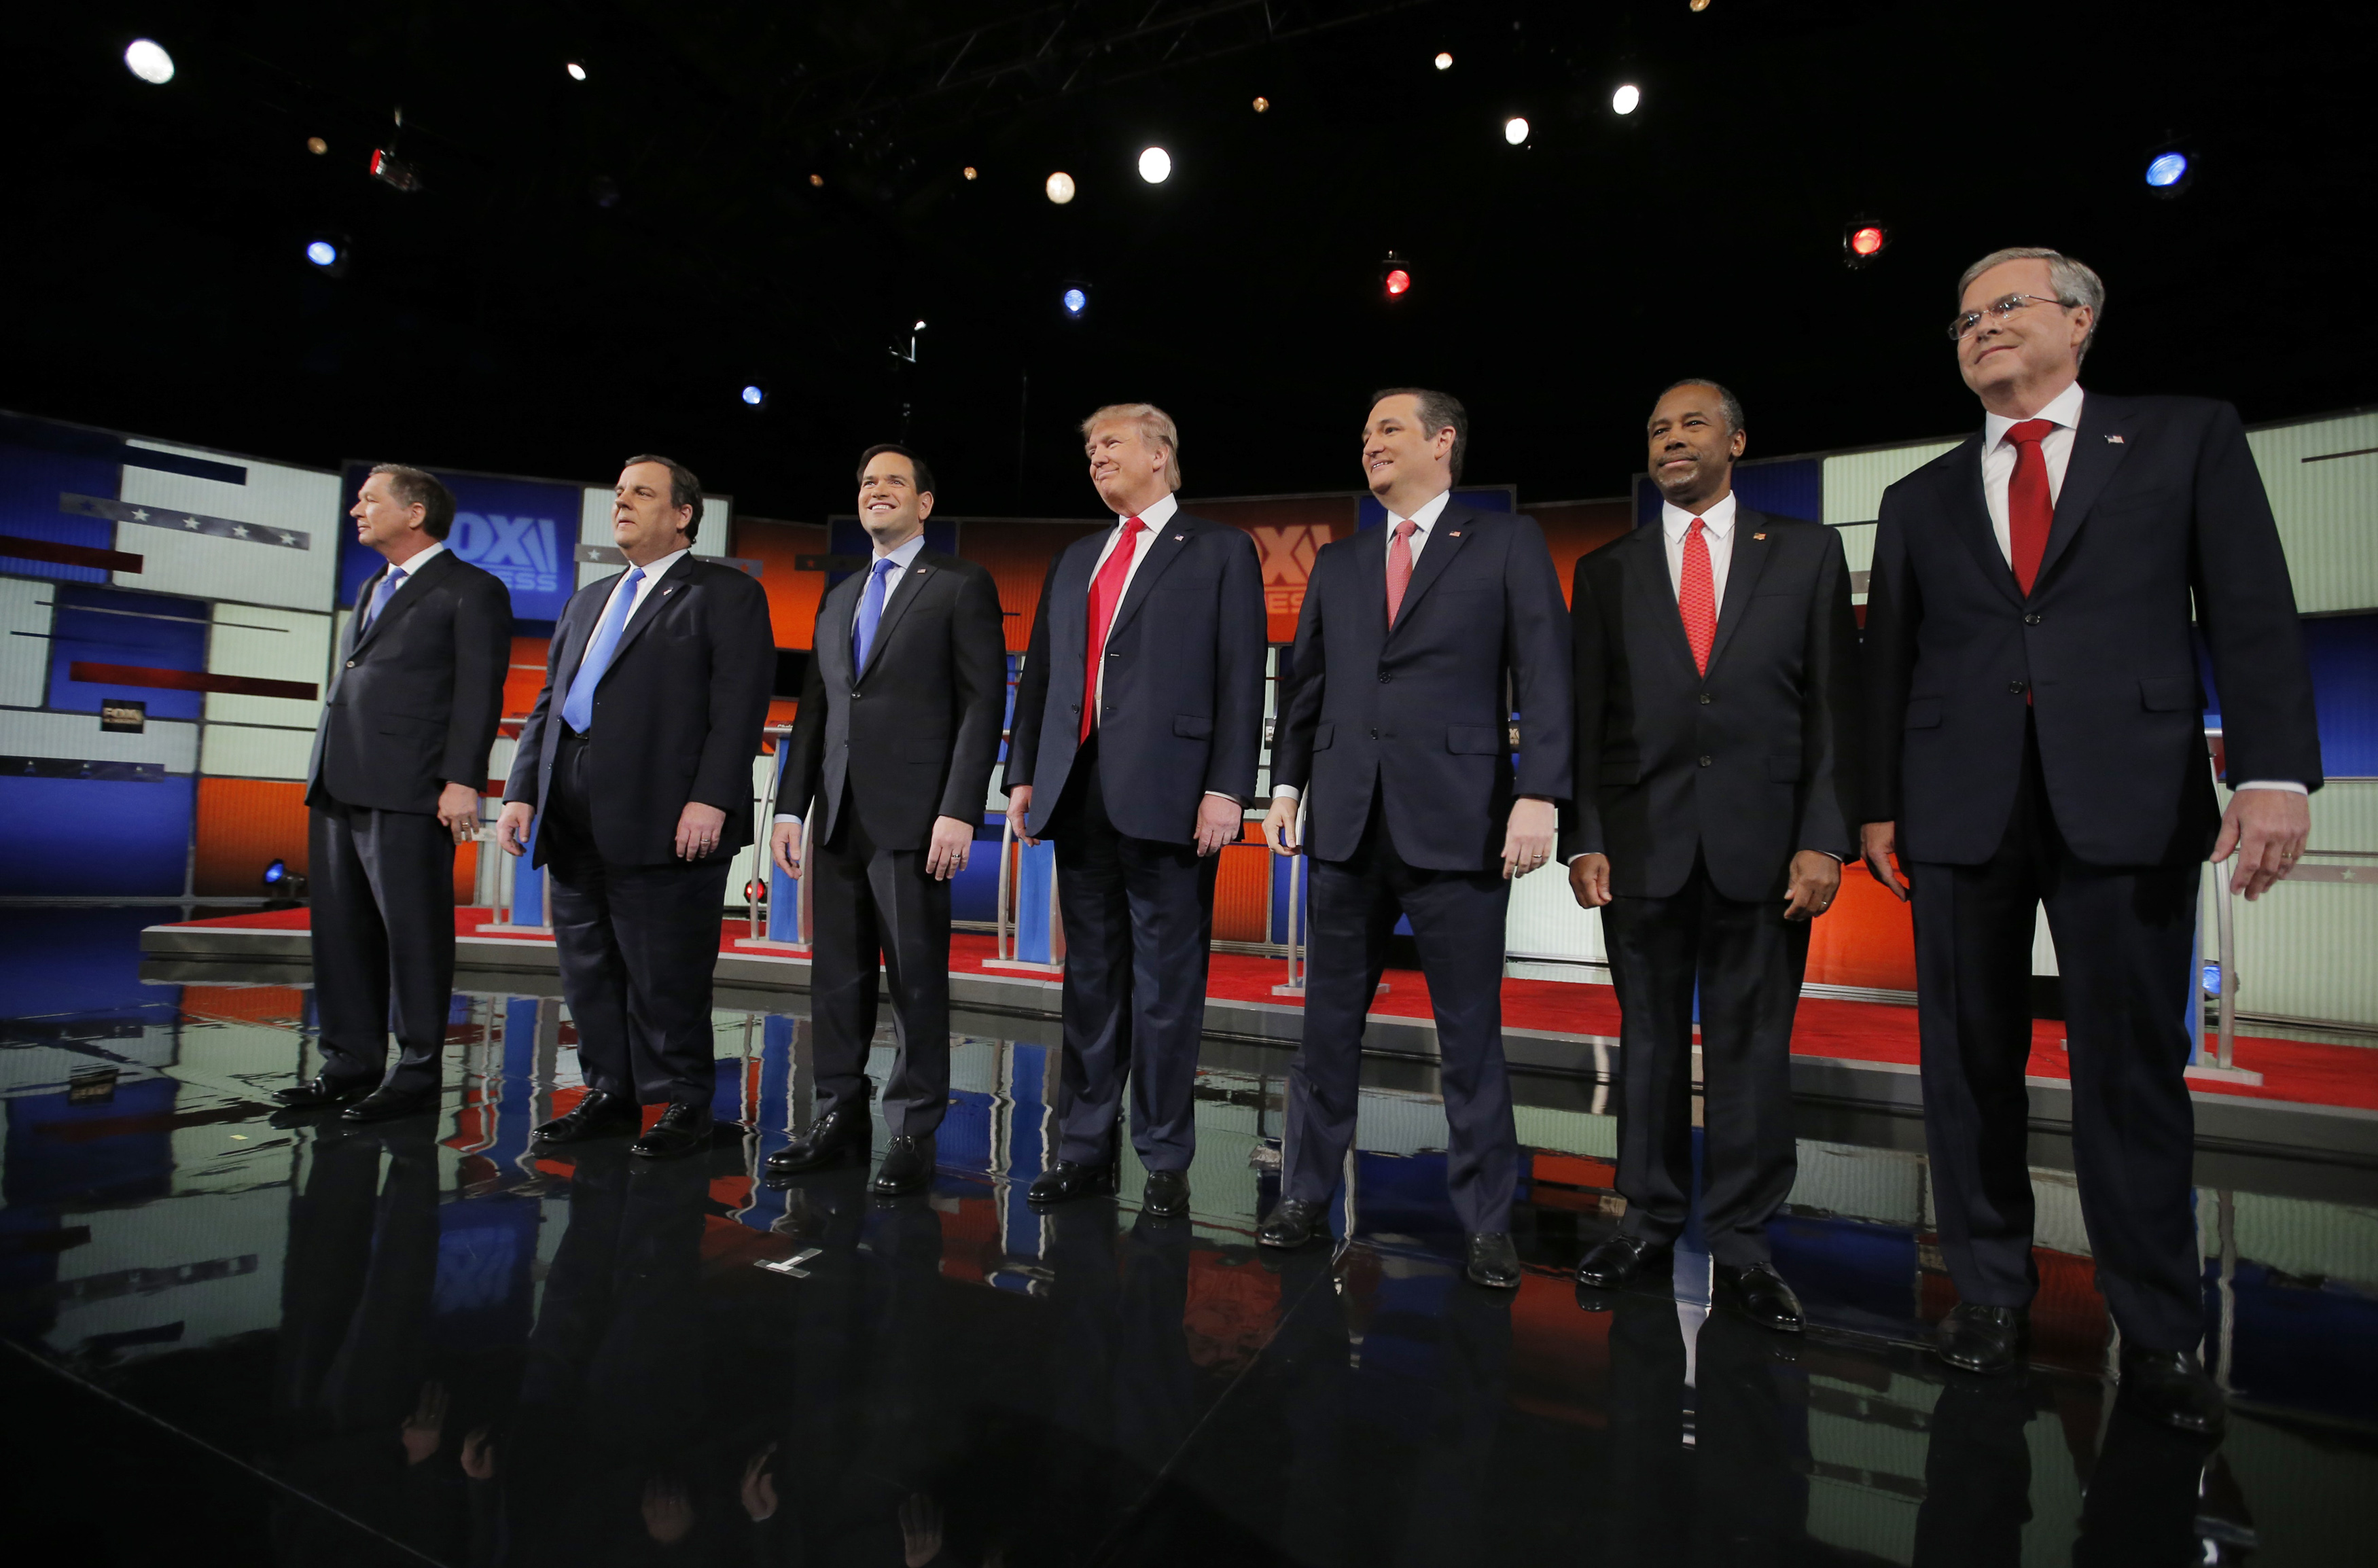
x=924 y=470
x=419 y=487
x=685 y=490
x=1438 y=410
x=1730 y=404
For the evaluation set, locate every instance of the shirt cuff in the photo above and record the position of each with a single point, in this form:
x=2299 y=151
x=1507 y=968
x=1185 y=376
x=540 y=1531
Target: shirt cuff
x=1285 y=792
x=787 y=817
x=2288 y=785
x=1223 y=795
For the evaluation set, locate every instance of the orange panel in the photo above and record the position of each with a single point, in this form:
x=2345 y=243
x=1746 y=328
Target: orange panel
x=793 y=594
x=1288 y=531
x=1238 y=893
x=466 y=873
x=526 y=678
x=243 y=825
x=1867 y=939
x=1017 y=554
x=1579 y=528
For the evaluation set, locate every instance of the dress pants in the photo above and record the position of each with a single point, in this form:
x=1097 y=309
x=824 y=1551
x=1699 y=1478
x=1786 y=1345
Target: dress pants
x=383 y=930
x=1747 y=962
x=871 y=901
x=1456 y=918
x=2123 y=940
x=638 y=945
x=1140 y=916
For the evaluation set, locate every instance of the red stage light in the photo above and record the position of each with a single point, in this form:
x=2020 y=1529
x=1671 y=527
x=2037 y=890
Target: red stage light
x=1398 y=282
x=1867 y=240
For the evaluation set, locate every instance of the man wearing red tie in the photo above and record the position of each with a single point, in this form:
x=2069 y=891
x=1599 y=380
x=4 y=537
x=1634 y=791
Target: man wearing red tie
x=1138 y=723
x=2034 y=734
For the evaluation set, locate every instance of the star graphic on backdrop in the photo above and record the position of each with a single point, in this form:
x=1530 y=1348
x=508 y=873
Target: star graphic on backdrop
x=239 y=530
x=139 y=516
x=289 y=539
x=192 y=522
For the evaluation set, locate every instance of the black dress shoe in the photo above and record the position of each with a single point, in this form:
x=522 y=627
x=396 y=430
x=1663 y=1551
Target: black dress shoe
x=1064 y=1181
x=908 y=1166
x=1492 y=1260
x=597 y=1116
x=316 y=1093
x=1620 y=1261
x=1987 y=1340
x=1167 y=1194
x=1290 y=1222
x=1758 y=1295
x=2173 y=1387
x=388 y=1105
x=683 y=1130
x=837 y=1136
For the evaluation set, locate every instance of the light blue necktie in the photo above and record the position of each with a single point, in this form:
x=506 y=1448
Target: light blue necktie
x=870 y=612
x=388 y=585
x=578 y=708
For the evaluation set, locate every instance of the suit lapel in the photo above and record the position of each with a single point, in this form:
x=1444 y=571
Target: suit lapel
x=1654 y=593
x=1371 y=572
x=1454 y=526
x=1749 y=559
x=580 y=632
x=1969 y=518
x=1162 y=551
x=840 y=619
x=2087 y=474
x=405 y=597
x=649 y=601
x=897 y=600
x=1069 y=615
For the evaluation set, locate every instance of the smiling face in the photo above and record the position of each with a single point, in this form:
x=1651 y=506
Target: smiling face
x=890 y=505
x=384 y=524
x=2015 y=363
x=1405 y=464
x=1127 y=467
x=1692 y=448
x=643 y=523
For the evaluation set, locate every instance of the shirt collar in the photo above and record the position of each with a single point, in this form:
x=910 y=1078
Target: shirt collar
x=415 y=565
x=1157 y=514
x=905 y=555
x=1424 y=515
x=652 y=573
x=1719 y=520
x=2064 y=409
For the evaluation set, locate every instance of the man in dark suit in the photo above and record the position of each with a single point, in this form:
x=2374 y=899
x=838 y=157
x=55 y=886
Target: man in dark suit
x=1415 y=643
x=2034 y=734
x=399 y=757
x=1138 y=723
x=1717 y=705
x=895 y=739
x=639 y=752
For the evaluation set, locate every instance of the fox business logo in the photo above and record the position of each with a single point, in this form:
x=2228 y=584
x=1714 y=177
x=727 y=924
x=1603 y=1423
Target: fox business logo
x=520 y=551
x=1287 y=562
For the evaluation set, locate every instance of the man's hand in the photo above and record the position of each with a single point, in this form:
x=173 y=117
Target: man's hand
x=1219 y=821
x=2267 y=829
x=458 y=810
x=920 y=1530
x=668 y=1516
x=512 y=828
x=698 y=827
x=759 y=1486
x=1529 y=842
x=425 y=1428
x=479 y=1456
x=952 y=840
x=1816 y=882
x=1280 y=826
x=1589 y=880
x=784 y=848
x=1878 y=840
x=1019 y=811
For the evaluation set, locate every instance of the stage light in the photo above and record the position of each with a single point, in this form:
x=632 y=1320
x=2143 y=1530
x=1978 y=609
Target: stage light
x=1395 y=276
x=1515 y=130
x=1445 y=61
x=754 y=395
x=1625 y=99
x=2168 y=173
x=918 y=327
x=275 y=873
x=970 y=170
x=389 y=170
x=323 y=253
x=576 y=69
x=818 y=180
x=1695 y=5
x=1059 y=187
x=755 y=892
x=1866 y=240
x=316 y=145
x=1155 y=165
x=1862 y=241
x=146 y=59
x=1076 y=302
x=1262 y=104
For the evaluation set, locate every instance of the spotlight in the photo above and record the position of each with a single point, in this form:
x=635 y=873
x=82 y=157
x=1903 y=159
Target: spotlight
x=316 y=145
x=755 y=397
x=1444 y=62
x=323 y=253
x=1625 y=99
x=970 y=170
x=274 y=873
x=1862 y=241
x=283 y=885
x=146 y=59
x=1155 y=165
x=755 y=892
x=1695 y=5
x=1059 y=187
x=328 y=255
x=1515 y=130
x=1395 y=276
x=389 y=170
x=2169 y=172
x=576 y=69
x=1262 y=104
x=817 y=179
x=1076 y=299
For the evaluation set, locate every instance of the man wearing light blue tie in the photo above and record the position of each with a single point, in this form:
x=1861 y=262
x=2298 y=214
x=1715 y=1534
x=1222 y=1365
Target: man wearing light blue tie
x=642 y=766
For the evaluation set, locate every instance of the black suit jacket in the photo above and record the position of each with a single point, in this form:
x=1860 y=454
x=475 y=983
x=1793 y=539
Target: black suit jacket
x=1183 y=699
x=677 y=717
x=913 y=735
x=1748 y=765
x=1423 y=711
x=2161 y=508
x=413 y=703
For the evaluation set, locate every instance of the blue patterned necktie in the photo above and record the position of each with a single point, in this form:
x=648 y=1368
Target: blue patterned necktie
x=388 y=585
x=870 y=612
x=578 y=708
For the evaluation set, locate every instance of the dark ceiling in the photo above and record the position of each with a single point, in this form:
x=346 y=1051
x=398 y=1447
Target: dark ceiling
x=595 y=268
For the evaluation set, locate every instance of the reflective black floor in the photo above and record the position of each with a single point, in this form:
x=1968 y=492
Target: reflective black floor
x=424 y=1342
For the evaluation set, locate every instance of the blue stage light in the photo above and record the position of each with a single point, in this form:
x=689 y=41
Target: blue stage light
x=754 y=395
x=2167 y=170
x=276 y=873
x=323 y=253
x=1076 y=302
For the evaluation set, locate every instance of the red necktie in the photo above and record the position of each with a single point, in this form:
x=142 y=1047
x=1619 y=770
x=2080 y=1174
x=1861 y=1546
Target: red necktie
x=1398 y=567
x=1697 y=596
x=1106 y=592
x=2030 y=509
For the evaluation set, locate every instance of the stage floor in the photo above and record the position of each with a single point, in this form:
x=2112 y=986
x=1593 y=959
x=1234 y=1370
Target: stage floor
x=424 y=1342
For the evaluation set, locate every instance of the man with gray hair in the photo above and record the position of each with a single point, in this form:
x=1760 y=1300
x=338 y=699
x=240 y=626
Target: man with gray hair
x=2034 y=734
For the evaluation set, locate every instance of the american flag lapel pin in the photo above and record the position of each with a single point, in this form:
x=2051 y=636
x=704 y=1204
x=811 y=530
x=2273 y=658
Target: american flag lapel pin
x=1758 y=536
x=1178 y=537
x=2113 y=440
x=1455 y=535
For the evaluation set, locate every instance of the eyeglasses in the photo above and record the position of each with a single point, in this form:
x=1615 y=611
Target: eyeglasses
x=1964 y=325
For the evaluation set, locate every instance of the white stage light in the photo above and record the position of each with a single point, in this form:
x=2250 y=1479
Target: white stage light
x=148 y=60
x=577 y=70
x=323 y=253
x=1515 y=130
x=1624 y=100
x=1155 y=165
x=1445 y=61
x=1061 y=187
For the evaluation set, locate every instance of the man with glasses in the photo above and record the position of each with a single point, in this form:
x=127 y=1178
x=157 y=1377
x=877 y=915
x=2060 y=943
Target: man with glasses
x=2034 y=734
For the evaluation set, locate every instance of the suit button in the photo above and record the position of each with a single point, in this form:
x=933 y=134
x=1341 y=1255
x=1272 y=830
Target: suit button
x=1375 y=734
x=2018 y=687
x=1707 y=760
x=1707 y=700
x=351 y=663
x=2032 y=620
x=1384 y=678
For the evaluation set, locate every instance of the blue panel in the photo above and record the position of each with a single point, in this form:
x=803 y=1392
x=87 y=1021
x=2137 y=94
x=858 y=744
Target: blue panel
x=129 y=838
x=1035 y=885
x=1854 y=1271
x=31 y=480
x=107 y=627
x=486 y=1249
x=53 y=1156
x=2343 y=652
x=1368 y=513
x=523 y=531
x=1791 y=487
x=528 y=882
x=974 y=892
x=84 y=961
x=847 y=536
x=2313 y=1347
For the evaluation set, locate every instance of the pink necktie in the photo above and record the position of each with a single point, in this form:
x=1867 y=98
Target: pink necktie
x=1106 y=592
x=2030 y=509
x=1398 y=567
x=1697 y=596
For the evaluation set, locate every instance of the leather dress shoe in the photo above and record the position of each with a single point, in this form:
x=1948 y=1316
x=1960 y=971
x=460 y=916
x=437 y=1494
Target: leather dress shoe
x=1758 y=1295
x=1987 y=1340
x=388 y=1105
x=1492 y=1260
x=683 y=1130
x=837 y=1136
x=1290 y=1222
x=316 y=1093
x=1167 y=1196
x=908 y=1166
x=597 y=1116
x=2173 y=1387
x=1618 y=1262
x=1066 y=1181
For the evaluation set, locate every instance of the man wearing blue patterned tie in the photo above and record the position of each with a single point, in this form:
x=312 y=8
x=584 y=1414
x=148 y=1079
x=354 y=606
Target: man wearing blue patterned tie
x=639 y=752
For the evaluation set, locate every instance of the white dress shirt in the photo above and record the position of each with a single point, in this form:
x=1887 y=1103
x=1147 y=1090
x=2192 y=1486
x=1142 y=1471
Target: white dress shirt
x=653 y=575
x=1717 y=532
x=1153 y=521
x=906 y=553
x=409 y=568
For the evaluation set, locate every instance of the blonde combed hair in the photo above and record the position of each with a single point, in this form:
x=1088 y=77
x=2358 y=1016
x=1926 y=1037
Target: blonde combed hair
x=1156 y=427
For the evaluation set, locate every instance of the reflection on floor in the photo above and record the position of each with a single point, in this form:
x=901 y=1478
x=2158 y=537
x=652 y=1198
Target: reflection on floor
x=483 y=1355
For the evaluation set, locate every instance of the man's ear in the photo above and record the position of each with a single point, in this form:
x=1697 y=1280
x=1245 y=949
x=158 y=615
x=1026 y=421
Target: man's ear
x=1733 y=448
x=924 y=505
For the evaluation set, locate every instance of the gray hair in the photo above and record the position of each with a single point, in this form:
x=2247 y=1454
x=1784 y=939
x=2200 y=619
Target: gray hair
x=1437 y=410
x=1728 y=402
x=419 y=487
x=1156 y=428
x=685 y=490
x=2076 y=286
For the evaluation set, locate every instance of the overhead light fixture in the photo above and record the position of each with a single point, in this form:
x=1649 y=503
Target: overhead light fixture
x=2168 y=173
x=1444 y=62
x=1862 y=241
x=817 y=179
x=1059 y=187
x=1625 y=100
x=1155 y=166
x=576 y=69
x=321 y=253
x=328 y=253
x=391 y=170
x=1695 y=5
x=1076 y=299
x=1262 y=103
x=316 y=145
x=1515 y=130
x=918 y=327
x=146 y=58
x=1395 y=276
x=755 y=396
x=970 y=170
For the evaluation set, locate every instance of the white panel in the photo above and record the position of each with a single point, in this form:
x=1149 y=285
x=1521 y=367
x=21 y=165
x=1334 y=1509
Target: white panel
x=251 y=640
x=500 y=758
x=2327 y=507
x=291 y=500
x=2309 y=1240
x=1545 y=922
x=25 y=733
x=24 y=660
x=2303 y=948
x=594 y=528
x=240 y=751
x=1857 y=543
x=1855 y=481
